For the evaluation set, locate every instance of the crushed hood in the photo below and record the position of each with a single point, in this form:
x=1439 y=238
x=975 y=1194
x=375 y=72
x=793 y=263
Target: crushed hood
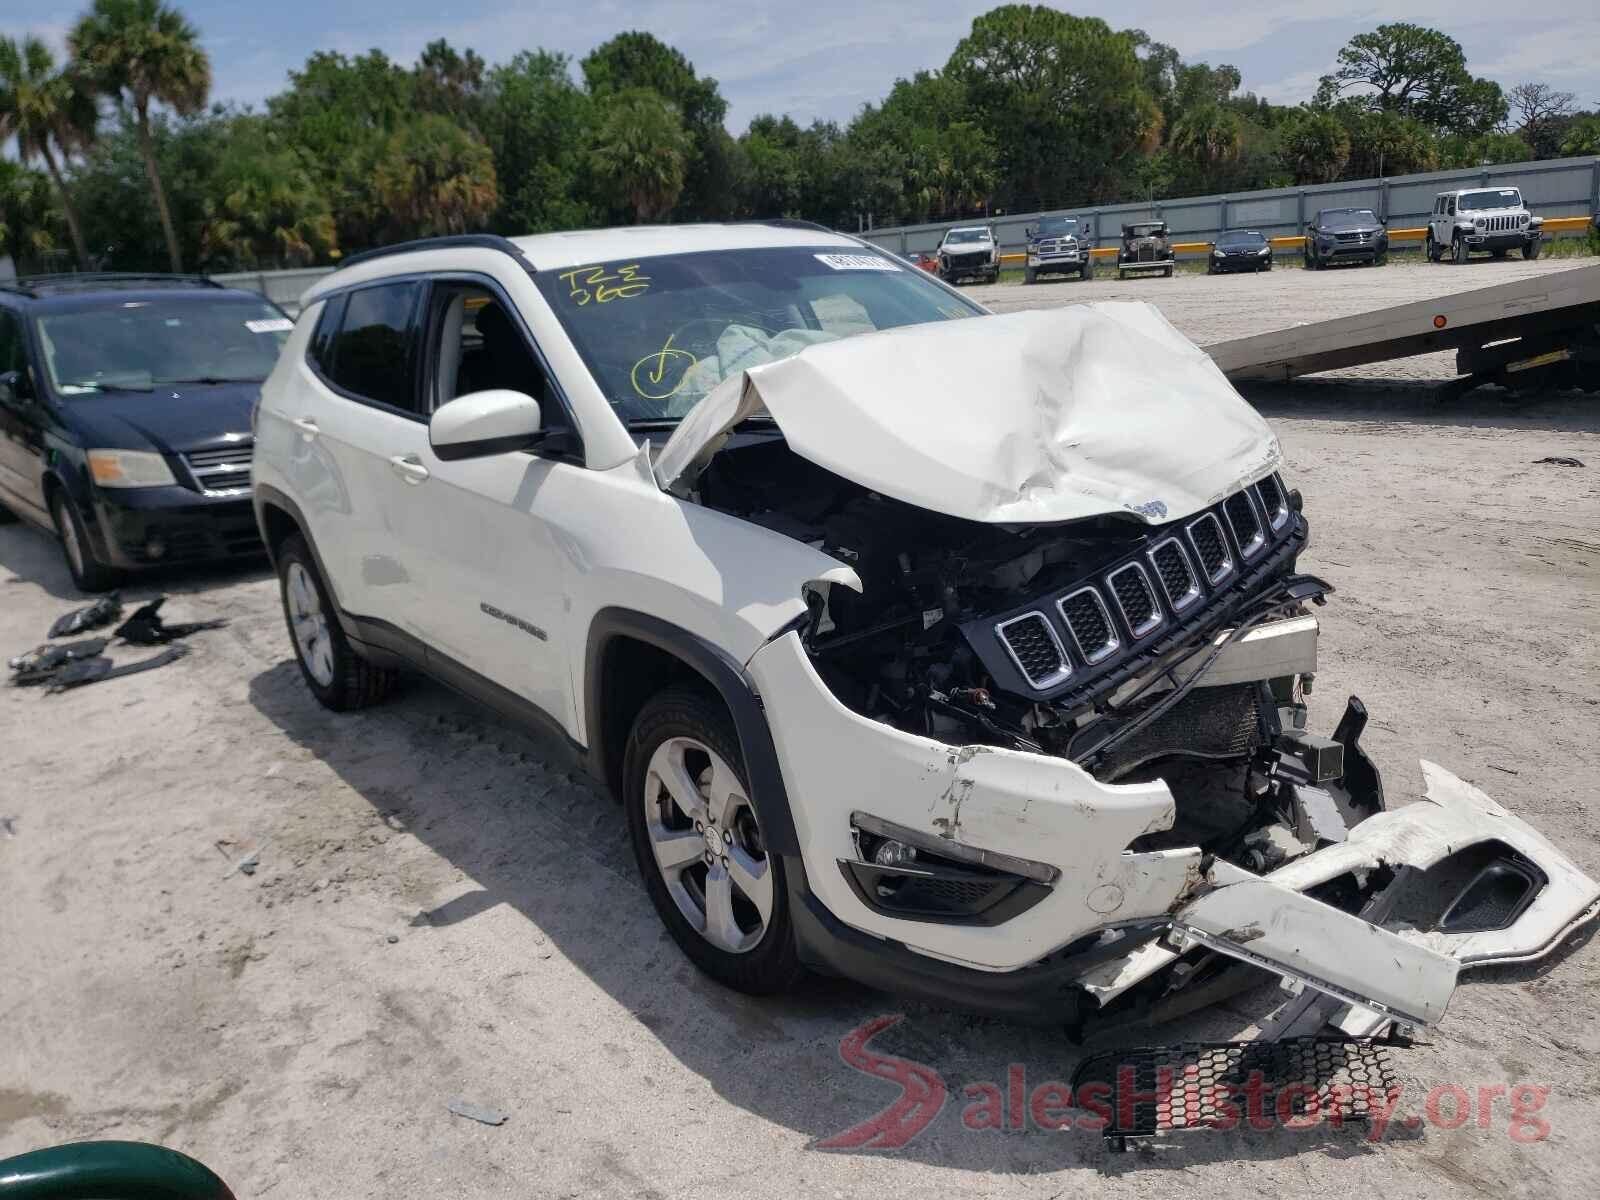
x=1028 y=417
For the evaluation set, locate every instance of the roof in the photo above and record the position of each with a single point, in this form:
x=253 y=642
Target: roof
x=552 y=251
x=89 y=298
x=89 y=288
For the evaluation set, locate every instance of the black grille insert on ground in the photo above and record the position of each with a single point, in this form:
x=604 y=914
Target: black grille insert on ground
x=1034 y=647
x=1135 y=598
x=1299 y=1081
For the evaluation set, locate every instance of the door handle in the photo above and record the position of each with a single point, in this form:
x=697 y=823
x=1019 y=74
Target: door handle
x=409 y=467
x=306 y=426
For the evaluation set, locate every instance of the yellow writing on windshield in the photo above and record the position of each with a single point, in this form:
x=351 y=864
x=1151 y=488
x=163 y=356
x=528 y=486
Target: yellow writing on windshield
x=661 y=373
x=604 y=284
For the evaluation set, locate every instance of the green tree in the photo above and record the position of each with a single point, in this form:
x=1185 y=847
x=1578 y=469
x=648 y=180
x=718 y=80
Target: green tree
x=1583 y=137
x=641 y=152
x=1419 y=73
x=435 y=177
x=262 y=209
x=640 y=60
x=1062 y=97
x=1388 y=143
x=29 y=214
x=1458 y=151
x=1313 y=146
x=50 y=113
x=1209 y=136
x=449 y=82
x=538 y=125
x=141 y=52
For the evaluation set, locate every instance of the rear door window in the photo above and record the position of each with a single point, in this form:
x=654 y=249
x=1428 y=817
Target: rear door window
x=373 y=354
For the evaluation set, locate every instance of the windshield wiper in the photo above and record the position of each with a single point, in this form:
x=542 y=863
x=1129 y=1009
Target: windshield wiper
x=96 y=385
x=647 y=424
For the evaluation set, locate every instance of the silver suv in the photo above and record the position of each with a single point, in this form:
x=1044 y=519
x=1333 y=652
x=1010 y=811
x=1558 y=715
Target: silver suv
x=1473 y=220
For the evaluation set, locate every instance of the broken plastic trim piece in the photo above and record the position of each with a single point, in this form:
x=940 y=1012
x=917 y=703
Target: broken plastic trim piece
x=145 y=627
x=95 y=670
x=102 y=612
x=39 y=666
x=948 y=848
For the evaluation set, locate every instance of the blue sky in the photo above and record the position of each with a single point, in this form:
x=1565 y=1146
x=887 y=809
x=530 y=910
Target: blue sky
x=839 y=54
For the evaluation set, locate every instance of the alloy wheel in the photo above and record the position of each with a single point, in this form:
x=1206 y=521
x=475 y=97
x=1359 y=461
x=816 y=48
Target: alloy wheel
x=708 y=845
x=310 y=624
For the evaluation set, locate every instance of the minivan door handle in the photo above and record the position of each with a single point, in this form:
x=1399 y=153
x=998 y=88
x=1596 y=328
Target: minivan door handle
x=409 y=467
x=306 y=426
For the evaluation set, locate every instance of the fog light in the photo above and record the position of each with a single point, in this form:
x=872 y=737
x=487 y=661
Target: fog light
x=894 y=854
x=155 y=548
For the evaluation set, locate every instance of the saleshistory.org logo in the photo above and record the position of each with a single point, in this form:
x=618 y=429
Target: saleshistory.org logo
x=1254 y=1102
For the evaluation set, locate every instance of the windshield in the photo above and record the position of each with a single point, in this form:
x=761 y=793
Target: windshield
x=136 y=345
x=1350 y=216
x=966 y=235
x=1241 y=237
x=1058 y=227
x=1140 y=231
x=1493 y=198
x=657 y=334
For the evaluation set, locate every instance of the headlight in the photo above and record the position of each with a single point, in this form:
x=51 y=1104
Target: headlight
x=1477 y=223
x=129 y=469
x=1264 y=250
x=1216 y=254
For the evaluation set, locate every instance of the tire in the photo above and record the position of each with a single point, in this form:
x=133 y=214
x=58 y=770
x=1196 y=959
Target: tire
x=1121 y=275
x=1530 y=251
x=89 y=574
x=1431 y=247
x=338 y=677
x=1028 y=275
x=1167 y=274
x=687 y=730
x=1459 y=251
x=1380 y=260
x=1086 y=271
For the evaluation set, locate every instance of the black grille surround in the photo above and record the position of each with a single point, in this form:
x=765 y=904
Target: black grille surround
x=1081 y=615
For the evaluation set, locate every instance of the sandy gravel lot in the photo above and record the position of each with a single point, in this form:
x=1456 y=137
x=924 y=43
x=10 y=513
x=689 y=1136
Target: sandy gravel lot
x=439 y=913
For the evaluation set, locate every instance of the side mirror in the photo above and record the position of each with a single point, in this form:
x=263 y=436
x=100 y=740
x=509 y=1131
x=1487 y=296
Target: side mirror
x=1029 y=232
x=485 y=423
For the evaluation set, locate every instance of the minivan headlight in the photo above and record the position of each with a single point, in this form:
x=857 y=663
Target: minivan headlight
x=129 y=469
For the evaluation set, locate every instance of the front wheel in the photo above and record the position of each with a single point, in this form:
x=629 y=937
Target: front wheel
x=1431 y=248
x=705 y=862
x=1028 y=275
x=1458 y=250
x=1086 y=271
x=1530 y=251
x=89 y=574
x=338 y=677
x=1167 y=274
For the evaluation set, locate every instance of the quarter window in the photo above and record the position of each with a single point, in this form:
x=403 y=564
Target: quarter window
x=373 y=353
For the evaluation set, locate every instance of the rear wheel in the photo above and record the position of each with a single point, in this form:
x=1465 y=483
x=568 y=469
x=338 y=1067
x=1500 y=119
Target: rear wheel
x=338 y=677
x=700 y=848
x=88 y=572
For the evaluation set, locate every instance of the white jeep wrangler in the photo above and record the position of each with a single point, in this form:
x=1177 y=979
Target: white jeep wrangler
x=961 y=654
x=1472 y=220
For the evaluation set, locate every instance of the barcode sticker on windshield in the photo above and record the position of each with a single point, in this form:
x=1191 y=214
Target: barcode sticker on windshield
x=856 y=262
x=270 y=325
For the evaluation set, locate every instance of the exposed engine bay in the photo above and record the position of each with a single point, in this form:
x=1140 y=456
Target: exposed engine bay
x=1089 y=641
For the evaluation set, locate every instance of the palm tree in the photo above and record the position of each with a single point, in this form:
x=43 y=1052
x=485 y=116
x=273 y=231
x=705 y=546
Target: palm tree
x=139 y=52
x=49 y=112
x=642 y=151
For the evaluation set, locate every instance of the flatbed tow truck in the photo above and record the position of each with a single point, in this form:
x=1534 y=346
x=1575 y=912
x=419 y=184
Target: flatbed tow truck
x=1528 y=335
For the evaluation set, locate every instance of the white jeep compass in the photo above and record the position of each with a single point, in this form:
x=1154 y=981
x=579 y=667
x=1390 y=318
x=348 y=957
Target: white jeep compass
x=961 y=654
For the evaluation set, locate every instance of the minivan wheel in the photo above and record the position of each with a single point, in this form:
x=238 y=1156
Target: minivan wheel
x=338 y=677
x=714 y=883
x=89 y=574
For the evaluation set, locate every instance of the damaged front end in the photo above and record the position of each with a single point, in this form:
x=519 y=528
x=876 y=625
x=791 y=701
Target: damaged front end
x=1077 y=746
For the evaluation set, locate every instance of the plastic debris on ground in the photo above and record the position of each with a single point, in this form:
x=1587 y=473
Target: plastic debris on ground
x=476 y=1112
x=70 y=665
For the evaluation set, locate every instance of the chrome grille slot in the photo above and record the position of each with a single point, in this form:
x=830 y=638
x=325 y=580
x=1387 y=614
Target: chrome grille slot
x=1274 y=503
x=1034 y=647
x=1246 y=525
x=1211 y=547
x=1131 y=589
x=1177 y=577
x=223 y=470
x=1087 y=619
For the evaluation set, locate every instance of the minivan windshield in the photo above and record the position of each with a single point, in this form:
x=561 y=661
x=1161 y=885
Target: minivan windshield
x=137 y=345
x=1492 y=198
x=659 y=333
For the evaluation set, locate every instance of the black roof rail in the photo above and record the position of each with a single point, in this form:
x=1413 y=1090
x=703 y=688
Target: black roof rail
x=18 y=287
x=480 y=241
x=75 y=280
